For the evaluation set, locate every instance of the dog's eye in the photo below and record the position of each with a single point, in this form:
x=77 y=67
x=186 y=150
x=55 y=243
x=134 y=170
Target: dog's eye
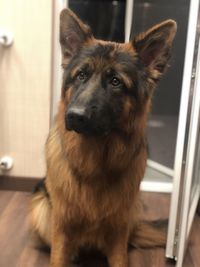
x=115 y=81
x=82 y=76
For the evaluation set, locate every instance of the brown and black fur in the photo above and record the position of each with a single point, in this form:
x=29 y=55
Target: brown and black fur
x=91 y=192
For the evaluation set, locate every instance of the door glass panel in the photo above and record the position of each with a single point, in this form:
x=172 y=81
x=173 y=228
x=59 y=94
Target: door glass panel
x=106 y=18
x=163 y=121
x=185 y=187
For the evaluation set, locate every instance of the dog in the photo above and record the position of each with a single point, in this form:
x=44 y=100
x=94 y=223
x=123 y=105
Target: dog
x=96 y=150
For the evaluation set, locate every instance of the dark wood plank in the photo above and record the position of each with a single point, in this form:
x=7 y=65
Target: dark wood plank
x=13 y=230
x=156 y=205
x=17 y=249
x=5 y=198
x=194 y=242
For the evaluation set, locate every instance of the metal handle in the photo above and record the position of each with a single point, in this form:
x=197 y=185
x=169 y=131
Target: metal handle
x=6 y=38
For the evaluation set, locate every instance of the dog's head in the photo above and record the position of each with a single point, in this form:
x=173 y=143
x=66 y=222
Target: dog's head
x=105 y=83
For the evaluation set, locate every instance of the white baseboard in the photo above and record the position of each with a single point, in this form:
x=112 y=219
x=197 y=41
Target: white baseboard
x=159 y=187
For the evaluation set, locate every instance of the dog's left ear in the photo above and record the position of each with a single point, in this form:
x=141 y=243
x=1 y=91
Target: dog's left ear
x=153 y=47
x=73 y=34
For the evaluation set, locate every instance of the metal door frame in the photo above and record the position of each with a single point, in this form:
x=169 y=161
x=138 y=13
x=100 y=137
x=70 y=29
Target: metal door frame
x=187 y=208
x=56 y=71
x=185 y=147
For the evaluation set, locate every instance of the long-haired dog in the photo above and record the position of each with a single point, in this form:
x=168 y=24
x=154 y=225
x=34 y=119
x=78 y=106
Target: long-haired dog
x=96 y=150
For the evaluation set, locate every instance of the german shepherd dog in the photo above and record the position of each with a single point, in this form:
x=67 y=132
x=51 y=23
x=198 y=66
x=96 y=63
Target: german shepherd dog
x=96 y=151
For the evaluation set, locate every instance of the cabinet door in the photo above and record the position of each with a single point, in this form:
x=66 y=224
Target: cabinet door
x=186 y=185
x=25 y=75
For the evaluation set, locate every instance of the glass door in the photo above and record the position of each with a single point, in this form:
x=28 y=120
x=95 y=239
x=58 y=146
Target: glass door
x=163 y=121
x=186 y=183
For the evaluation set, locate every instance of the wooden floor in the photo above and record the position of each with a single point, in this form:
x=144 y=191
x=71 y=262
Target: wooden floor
x=17 y=249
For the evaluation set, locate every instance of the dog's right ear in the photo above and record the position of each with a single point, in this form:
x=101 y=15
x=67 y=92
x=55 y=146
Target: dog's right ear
x=73 y=34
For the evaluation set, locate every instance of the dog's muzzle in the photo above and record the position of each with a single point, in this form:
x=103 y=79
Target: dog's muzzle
x=84 y=122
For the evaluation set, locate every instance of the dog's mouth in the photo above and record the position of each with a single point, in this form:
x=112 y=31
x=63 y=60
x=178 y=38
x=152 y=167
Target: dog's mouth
x=87 y=128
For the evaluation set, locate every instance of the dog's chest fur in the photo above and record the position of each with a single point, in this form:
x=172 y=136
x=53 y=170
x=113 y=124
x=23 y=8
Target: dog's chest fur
x=89 y=203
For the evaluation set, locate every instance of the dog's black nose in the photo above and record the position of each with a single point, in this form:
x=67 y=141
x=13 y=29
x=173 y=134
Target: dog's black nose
x=78 y=120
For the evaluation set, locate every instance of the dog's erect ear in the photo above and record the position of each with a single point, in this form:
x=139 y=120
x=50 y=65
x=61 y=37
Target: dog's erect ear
x=73 y=34
x=153 y=46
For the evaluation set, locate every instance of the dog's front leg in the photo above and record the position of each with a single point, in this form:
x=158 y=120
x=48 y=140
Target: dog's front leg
x=117 y=249
x=118 y=256
x=61 y=248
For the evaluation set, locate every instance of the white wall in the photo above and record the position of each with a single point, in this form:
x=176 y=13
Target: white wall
x=25 y=84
